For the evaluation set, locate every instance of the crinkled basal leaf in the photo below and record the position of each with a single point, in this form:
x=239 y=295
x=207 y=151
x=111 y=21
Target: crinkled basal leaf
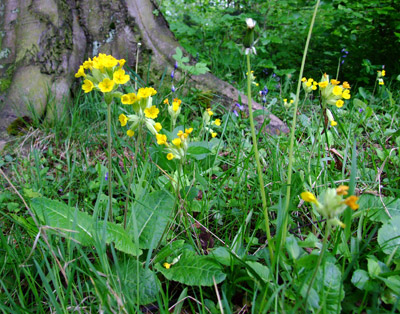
x=194 y=270
x=151 y=216
x=331 y=293
x=80 y=226
x=360 y=279
x=376 y=212
x=148 y=282
x=389 y=236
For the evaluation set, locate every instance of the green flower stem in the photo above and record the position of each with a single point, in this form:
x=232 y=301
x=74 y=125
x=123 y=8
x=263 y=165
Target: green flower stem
x=257 y=157
x=137 y=146
x=290 y=166
x=321 y=255
x=109 y=179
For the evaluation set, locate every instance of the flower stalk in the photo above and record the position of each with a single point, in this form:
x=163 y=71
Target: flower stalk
x=257 y=157
x=109 y=142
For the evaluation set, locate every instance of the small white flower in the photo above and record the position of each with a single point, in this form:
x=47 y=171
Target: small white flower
x=250 y=23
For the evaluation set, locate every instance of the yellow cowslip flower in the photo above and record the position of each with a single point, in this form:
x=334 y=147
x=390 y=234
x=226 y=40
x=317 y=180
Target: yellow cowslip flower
x=333 y=123
x=123 y=119
x=217 y=122
x=88 y=65
x=342 y=190
x=180 y=133
x=188 y=131
x=170 y=156
x=166 y=101
x=309 y=82
x=335 y=82
x=339 y=103
x=145 y=92
x=161 y=139
x=130 y=133
x=128 y=99
x=213 y=134
x=304 y=79
x=167 y=265
x=151 y=112
x=337 y=90
x=106 y=85
x=346 y=94
x=323 y=84
x=158 y=126
x=346 y=85
x=210 y=113
x=120 y=77
x=351 y=202
x=383 y=73
x=308 y=197
x=87 y=86
x=381 y=82
x=175 y=106
x=81 y=72
x=109 y=61
x=121 y=62
x=315 y=84
x=177 y=141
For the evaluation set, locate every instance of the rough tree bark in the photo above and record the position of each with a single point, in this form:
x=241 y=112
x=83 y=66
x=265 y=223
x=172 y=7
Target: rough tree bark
x=43 y=42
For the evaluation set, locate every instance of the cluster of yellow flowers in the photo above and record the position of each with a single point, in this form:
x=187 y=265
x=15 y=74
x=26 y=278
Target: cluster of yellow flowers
x=332 y=93
x=208 y=113
x=145 y=111
x=380 y=76
x=103 y=73
x=332 y=204
x=178 y=146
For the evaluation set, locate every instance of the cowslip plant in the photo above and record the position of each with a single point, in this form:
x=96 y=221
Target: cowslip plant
x=330 y=206
x=105 y=74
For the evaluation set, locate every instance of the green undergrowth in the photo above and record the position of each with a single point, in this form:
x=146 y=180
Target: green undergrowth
x=189 y=235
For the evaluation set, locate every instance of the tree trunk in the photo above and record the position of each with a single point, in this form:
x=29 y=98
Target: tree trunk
x=43 y=42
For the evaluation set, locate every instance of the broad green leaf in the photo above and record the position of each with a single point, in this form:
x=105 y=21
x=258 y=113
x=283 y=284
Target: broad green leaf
x=172 y=248
x=389 y=236
x=260 y=269
x=194 y=270
x=151 y=216
x=148 y=283
x=292 y=247
x=80 y=226
x=360 y=279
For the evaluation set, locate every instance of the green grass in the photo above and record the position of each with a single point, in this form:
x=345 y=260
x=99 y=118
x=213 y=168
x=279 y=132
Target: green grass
x=204 y=216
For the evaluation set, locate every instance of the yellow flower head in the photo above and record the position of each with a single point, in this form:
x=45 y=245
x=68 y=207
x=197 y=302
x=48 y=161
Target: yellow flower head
x=109 y=61
x=339 y=103
x=214 y=134
x=81 y=72
x=161 y=139
x=188 y=131
x=88 y=65
x=121 y=62
x=175 y=105
x=323 y=84
x=383 y=73
x=217 y=122
x=346 y=85
x=158 y=126
x=151 y=112
x=146 y=92
x=304 y=79
x=333 y=123
x=346 y=94
x=351 y=202
x=167 y=265
x=337 y=90
x=128 y=99
x=123 y=119
x=106 y=85
x=308 y=197
x=166 y=101
x=170 y=156
x=342 y=190
x=177 y=141
x=381 y=82
x=120 y=77
x=334 y=82
x=130 y=133
x=210 y=113
x=87 y=86
x=180 y=133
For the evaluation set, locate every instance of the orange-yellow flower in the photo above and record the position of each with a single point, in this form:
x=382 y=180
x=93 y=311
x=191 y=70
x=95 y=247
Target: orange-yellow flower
x=123 y=119
x=87 y=86
x=308 y=197
x=151 y=112
x=351 y=202
x=106 y=85
x=342 y=190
